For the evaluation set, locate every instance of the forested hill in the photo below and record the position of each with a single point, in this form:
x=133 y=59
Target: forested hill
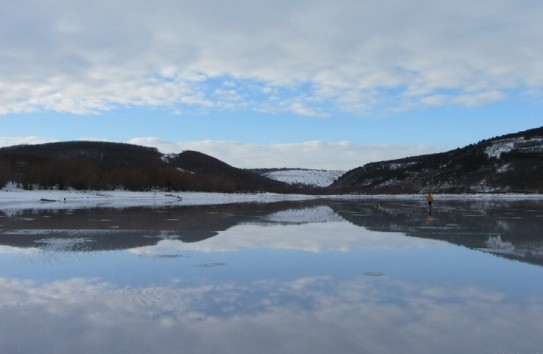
x=507 y=164
x=233 y=178
x=87 y=165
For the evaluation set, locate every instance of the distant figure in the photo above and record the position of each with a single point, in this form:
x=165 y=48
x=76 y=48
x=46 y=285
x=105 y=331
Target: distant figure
x=429 y=199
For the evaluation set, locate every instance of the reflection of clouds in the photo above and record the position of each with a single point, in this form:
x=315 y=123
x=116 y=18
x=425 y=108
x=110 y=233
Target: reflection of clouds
x=318 y=315
x=306 y=237
x=164 y=248
x=16 y=250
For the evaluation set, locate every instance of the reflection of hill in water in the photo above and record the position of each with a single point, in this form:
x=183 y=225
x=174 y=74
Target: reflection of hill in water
x=110 y=229
x=508 y=229
x=303 y=215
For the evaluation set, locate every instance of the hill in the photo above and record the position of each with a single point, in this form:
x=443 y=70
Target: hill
x=301 y=176
x=87 y=165
x=236 y=179
x=511 y=163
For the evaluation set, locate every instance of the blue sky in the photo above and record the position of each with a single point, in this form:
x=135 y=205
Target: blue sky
x=298 y=83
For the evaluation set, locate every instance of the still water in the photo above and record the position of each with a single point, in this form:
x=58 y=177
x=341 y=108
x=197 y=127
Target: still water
x=319 y=277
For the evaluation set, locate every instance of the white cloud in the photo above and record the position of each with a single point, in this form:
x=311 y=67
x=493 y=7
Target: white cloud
x=341 y=155
x=469 y=99
x=355 y=55
x=302 y=109
x=30 y=140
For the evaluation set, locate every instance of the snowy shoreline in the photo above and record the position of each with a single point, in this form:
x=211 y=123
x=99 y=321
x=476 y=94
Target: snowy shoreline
x=61 y=199
x=16 y=199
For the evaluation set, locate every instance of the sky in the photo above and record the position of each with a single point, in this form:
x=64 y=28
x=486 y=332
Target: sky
x=284 y=83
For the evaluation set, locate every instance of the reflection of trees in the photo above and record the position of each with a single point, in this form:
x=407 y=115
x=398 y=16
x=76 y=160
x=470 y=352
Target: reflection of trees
x=467 y=223
x=487 y=225
x=110 y=229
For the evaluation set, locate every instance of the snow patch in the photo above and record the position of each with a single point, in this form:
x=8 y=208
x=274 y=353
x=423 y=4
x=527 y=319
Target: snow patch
x=316 y=178
x=507 y=145
x=13 y=200
x=168 y=157
x=504 y=168
x=10 y=187
x=497 y=149
x=395 y=166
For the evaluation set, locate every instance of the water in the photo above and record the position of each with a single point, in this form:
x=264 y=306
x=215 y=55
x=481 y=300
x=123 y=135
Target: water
x=319 y=277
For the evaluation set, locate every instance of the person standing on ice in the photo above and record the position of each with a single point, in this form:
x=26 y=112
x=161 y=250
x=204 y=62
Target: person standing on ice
x=429 y=199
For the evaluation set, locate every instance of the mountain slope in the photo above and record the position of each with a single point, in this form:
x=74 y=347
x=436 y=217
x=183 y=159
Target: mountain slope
x=105 y=166
x=112 y=154
x=240 y=179
x=510 y=163
x=80 y=165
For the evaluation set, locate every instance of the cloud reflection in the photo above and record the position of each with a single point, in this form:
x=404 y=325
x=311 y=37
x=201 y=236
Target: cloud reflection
x=316 y=314
x=312 y=237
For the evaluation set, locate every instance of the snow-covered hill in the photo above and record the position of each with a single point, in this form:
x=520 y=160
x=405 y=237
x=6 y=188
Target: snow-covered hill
x=314 y=178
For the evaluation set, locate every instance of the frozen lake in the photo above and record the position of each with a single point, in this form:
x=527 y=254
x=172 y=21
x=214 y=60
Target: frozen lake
x=292 y=277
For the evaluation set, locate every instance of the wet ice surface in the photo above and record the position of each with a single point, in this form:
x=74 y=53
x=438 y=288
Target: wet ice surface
x=319 y=277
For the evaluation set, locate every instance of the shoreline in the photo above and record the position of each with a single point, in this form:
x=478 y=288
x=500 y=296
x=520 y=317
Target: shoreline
x=17 y=199
x=68 y=199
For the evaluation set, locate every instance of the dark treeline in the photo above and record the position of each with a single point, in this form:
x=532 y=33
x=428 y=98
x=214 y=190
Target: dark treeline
x=108 y=166
x=517 y=169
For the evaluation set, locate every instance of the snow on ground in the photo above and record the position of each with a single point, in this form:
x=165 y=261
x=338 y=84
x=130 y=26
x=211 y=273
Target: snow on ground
x=54 y=199
x=507 y=145
x=497 y=149
x=13 y=199
x=316 y=178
